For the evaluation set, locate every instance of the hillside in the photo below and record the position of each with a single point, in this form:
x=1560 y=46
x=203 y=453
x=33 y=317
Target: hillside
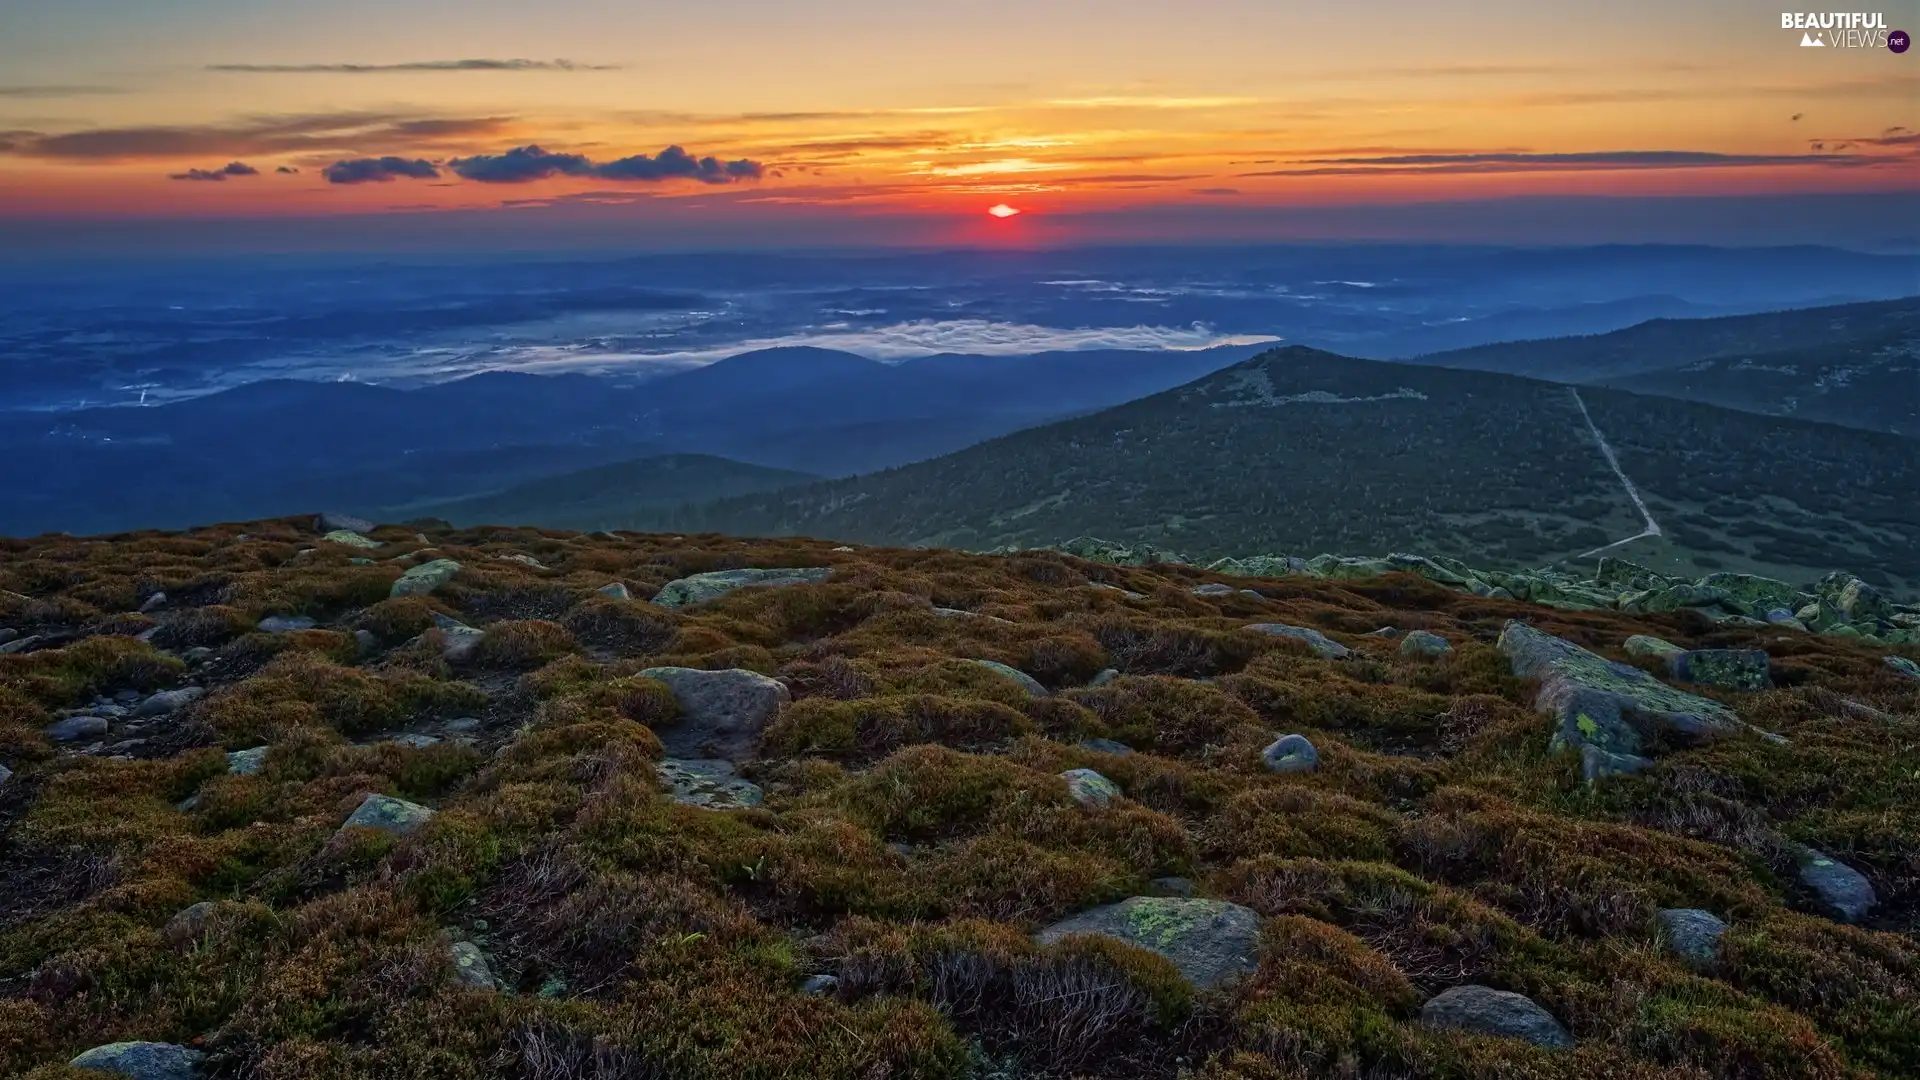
x=618 y=496
x=1850 y=364
x=429 y=802
x=1302 y=451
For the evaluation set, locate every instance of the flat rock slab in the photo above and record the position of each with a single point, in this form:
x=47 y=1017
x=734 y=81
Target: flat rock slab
x=1692 y=933
x=1209 y=941
x=700 y=588
x=347 y=538
x=1648 y=645
x=1322 y=645
x=1486 y=1011
x=1089 y=788
x=396 y=817
x=707 y=783
x=1606 y=707
x=286 y=624
x=425 y=578
x=1845 y=892
x=1729 y=669
x=1424 y=645
x=142 y=1060
x=722 y=713
x=1027 y=682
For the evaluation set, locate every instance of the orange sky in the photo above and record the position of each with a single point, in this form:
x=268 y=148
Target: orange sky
x=862 y=107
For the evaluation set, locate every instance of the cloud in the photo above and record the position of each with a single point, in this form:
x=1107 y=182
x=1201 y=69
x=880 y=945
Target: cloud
x=1404 y=164
x=57 y=91
x=480 y=64
x=528 y=163
x=378 y=170
x=286 y=170
x=231 y=168
x=364 y=133
x=1215 y=191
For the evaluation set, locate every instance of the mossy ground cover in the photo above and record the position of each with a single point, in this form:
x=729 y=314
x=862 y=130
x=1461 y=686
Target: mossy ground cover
x=915 y=831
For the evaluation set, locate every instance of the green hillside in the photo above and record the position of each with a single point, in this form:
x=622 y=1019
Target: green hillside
x=1302 y=451
x=623 y=495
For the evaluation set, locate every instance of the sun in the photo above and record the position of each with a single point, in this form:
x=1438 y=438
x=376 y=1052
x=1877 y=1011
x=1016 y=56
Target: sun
x=1002 y=210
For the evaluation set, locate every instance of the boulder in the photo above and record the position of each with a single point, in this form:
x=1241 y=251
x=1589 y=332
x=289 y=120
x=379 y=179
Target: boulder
x=142 y=1060
x=700 y=588
x=153 y=603
x=1847 y=598
x=1647 y=645
x=337 y=522
x=1630 y=575
x=1089 y=788
x=189 y=924
x=1754 y=594
x=1027 y=682
x=1483 y=1010
x=350 y=539
x=1904 y=666
x=425 y=578
x=1322 y=645
x=285 y=624
x=470 y=966
x=1692 y=933
x=396 y=817
x=6 y=774
x=818 y=985
x=77 y=728
x=1107 y=746
x=1214 y=588
x=1424 y=645
x=458 y=640
x=1105 y=676
x=1731 y=669
x=247 y=762
x=1609 y=707
x=1291 y=754
x=707 y=783
x=1103 y=551
x=1209 y=941
x=1843 y=891
x=19 y=644
x=722 y=713
x=616 y=590
x=167 y=701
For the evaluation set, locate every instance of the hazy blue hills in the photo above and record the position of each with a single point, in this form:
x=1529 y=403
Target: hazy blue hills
x=620 y=495
x=1301 y=451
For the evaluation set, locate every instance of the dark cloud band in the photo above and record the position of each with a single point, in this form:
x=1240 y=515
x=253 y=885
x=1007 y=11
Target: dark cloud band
x=379 y=170
x=471 y=64
x=528 y=163
x=231 y=168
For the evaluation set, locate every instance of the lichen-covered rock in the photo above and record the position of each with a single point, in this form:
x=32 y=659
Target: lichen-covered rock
x=722 y=713
x=1089 y=788
x=1754 y=594
x=1321 y=645
x=1648 y=645
x=1485 y=1011
x=1424 y=645
x=616 y=590
x=425 y=578
x=1692 y=933
x=1843 y=891
x=397 y=817
x=1291 y=754
x=470 y=966
x=1845 y=597
x=286 y=624
x=1209 y=941
x=1213 y=588
x=247 y=762
x=1630 y=576
x=700 y=588
x=1027 y=682
x=707 y=783
x=1103 y=551
x=1730 y=669
x=1610 y=707
x=350 y=539
x=142 y=1060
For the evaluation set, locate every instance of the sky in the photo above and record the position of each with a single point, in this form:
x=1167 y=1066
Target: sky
x=892 y=121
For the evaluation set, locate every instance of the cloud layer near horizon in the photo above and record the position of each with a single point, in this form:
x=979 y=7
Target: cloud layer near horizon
x=471 y=64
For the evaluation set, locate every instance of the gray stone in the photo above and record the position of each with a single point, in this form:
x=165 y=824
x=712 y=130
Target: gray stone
x=189 y=924
x=19 y=644
x=337 y=522
x=1385 y=632
x=247 y=762
x=425 y=578
x=458 y=644
x=364 y=642
x=1214 y=588
x=616 y=590
x=1424 y=645
x=76 y=728
x=1128 y=593
x=1105 y=676
x=461 y=725
x=817 y=985
x=1485 y=1011
x=470 y=966
x=700 y=588
x=1322 y=645
x=7 y=634
x=707 y=783
x=1291 y=754
x=1692 y=933
x=1904 y=666
x=1609 y=706
x=1730 y=669
x=142 y=1060
x=722 y=713
x=961 y=613
x=1209 y=941
x=389 y=815
x=168 y=701
x=1107 y=746
x=1089 y=788
x=1027 y=682
x=1648 y=645
x=6 y=774
x=1843 y=891
x=525 y=560
x=346 y=538
x=153 y=603
x=286 y=624
x=197 y=654
x=414 y=740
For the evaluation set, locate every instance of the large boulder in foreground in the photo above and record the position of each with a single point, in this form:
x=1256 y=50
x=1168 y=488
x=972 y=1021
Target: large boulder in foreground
x=700 y=588
x=1209 y=941
x=142 y=1060
x=1483 y=1010
x=722 y=713
x=1607 y=711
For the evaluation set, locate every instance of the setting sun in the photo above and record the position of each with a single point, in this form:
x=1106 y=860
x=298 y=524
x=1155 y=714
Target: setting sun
x=1002 y=210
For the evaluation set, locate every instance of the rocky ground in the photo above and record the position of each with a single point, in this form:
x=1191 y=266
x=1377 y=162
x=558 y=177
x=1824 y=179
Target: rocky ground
x=304 y=799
